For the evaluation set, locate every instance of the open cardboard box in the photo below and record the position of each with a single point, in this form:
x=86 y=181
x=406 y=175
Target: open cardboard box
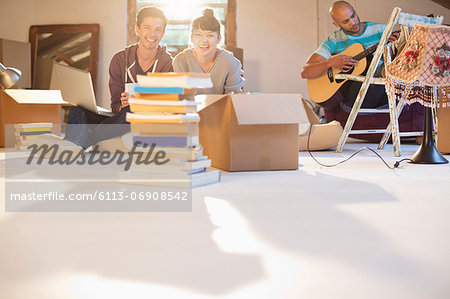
x=246 y=132
x=443 y=132
x=28 y=106
x=315 y=136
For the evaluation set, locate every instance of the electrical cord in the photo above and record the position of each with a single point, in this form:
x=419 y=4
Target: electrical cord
x=396 y=164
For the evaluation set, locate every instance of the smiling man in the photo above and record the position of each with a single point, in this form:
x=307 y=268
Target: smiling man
x=351 y=31
x=138 y=59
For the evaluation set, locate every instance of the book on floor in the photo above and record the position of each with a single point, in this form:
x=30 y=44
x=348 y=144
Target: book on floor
x=137 y=105
x=49 y=140
x=172 y=166
x=175 y=141
x=32 y=125
x=190 y=96
x=186 y=80
x=142 y=118
x=176 y=153
x=163 y=90
x=189 y=129
x=209 y=176
x=30 y=133
x=205 y=177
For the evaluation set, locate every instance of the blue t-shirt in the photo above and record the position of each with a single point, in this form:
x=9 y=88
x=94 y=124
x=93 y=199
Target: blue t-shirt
x=339 y=40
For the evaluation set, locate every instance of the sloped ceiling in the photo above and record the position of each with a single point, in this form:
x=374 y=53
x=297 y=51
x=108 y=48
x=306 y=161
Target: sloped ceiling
x=445 y=3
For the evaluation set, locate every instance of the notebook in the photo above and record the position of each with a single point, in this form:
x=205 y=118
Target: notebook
x=76 y=87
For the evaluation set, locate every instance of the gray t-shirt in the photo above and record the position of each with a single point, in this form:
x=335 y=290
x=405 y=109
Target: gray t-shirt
x=226 y=72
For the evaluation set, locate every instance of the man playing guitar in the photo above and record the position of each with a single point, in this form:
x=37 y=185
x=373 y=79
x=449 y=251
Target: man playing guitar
x=351 y=31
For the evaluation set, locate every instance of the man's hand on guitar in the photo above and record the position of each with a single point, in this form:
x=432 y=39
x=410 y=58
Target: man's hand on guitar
x=342 y=62
x=394 y=36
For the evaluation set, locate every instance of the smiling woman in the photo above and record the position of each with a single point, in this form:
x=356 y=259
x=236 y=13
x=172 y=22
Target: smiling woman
x=205 y=57
x=180 y=13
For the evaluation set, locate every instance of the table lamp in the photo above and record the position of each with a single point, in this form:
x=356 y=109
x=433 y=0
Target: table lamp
x=416 y=75
x=8 y=76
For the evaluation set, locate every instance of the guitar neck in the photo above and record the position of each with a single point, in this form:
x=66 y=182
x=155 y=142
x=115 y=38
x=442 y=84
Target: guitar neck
x=369 y=50
x=365 y=53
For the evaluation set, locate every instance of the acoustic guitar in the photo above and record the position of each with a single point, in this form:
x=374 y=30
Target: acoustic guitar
x=324 y=87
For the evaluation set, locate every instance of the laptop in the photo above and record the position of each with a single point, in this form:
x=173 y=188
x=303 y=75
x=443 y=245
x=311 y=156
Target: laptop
x=76 y=87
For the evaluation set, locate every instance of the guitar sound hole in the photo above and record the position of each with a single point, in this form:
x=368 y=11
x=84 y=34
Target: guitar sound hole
x=349 y=71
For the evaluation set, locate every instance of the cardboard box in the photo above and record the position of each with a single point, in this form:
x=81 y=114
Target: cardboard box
x=43 y=73
x=321 y=136
x=17 y=55
x=443 y=133
x=246 y=132
x=27 y=106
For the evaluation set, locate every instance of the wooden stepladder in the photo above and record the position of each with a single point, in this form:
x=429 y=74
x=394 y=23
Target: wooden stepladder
x=407 y=21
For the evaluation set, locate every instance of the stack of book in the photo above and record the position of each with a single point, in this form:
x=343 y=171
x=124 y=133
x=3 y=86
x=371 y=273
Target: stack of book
x=164 y=114
x=27 y=132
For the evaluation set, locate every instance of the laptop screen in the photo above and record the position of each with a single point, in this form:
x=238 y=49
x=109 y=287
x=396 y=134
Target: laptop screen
x=75 y=85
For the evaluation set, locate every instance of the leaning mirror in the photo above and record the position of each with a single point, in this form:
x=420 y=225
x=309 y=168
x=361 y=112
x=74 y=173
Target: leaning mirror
x=75 y=45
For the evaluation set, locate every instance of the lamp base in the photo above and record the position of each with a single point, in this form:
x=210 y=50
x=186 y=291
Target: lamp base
x=427 y=154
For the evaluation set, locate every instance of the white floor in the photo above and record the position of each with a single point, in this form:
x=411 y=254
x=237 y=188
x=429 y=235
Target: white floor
x=358 y=230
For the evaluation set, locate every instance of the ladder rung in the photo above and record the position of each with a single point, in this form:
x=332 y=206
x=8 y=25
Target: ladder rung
x=411 y=134
x=374 y=110
x=377 y=131
x=373 y=80
x=369 y=131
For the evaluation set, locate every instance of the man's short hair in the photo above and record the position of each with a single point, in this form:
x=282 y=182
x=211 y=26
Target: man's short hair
x=150 y=11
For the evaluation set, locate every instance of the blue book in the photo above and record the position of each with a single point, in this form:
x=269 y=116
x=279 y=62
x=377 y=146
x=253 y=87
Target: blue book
x=175 y=141
x=161 y=90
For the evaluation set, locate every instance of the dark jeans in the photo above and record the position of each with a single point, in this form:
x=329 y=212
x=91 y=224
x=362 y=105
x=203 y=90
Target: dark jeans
x=375 y=97
x=86 y=128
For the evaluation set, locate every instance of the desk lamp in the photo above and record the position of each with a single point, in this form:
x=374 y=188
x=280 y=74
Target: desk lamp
x=8 y=76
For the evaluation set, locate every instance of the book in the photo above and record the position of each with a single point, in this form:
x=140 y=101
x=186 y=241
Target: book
x=166 y=97
x=50 y=140
x=201 y=177
x=24 y=142
x=190 y=129
x=183 y=106
x=19 y=134
x=21 y=148
x=173 y=166
x=177 y=153
x=163 y=90
x=40 y=129
x=141 y=118
x=185 y=80
x=32 y=125
x=206 y=177
x=26 y=138
x=175 y=141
